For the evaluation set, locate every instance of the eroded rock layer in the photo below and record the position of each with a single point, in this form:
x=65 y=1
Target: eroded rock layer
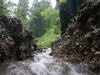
x=81 y=42
x=15 y=42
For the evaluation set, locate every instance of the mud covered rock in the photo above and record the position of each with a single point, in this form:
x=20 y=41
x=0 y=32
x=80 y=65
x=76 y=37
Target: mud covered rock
x=15 y=42
x=81 y=41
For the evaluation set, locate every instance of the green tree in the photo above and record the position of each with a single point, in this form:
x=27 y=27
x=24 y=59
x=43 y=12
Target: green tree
x=53 y=33
x=1 y=7
x=37 y=24
x=9 y=8
x=23 y=11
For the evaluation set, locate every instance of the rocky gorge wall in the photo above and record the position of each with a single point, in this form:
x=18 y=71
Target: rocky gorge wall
x=15 y=41
x=81 y=41
x=67 y=11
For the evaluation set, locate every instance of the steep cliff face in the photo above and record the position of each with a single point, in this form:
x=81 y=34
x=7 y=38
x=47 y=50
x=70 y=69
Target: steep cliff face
x=81 y=41
x=68 y=9
x=15 y=42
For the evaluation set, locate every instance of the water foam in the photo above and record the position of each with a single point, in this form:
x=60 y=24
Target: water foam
x=43 y=64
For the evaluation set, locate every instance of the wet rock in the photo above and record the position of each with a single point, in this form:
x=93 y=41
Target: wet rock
x=83 y=45
x=97 y=53
x=89 y=35
x=15 y=42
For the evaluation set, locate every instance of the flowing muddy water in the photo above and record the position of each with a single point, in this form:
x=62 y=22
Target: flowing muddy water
x=43 y=64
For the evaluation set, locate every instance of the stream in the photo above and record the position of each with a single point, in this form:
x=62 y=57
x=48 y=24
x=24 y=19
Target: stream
x=43 y=64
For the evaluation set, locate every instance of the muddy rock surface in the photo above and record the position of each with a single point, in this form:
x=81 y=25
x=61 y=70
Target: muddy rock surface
x=15 y=42
x=81 y=42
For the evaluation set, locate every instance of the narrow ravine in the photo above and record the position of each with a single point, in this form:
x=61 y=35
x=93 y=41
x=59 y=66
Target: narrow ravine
x=43 y=64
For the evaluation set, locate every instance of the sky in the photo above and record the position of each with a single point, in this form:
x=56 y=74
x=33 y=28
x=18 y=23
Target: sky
x=53 y=2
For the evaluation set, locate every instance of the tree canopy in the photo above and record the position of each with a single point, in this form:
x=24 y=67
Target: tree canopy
x=41 y=19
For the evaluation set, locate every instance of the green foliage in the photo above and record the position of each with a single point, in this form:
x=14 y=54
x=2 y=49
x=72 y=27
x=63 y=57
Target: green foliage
x=62 y=2
x=51 y=16
x=37 y=24
x=3 y=8
x=22 y=12
x=9 y=8
x=50 y=36
x=41 y=19
x=53 y=33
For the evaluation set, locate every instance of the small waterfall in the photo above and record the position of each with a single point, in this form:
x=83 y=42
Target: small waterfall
x=43 y=64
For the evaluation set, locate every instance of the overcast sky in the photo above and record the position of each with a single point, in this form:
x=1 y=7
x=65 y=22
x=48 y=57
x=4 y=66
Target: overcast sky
x=30 y=1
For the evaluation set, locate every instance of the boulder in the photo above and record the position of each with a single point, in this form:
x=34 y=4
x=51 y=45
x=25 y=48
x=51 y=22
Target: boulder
x=15 y=41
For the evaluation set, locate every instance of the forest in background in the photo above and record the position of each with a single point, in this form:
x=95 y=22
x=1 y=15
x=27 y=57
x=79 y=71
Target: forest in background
x=41 y=18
